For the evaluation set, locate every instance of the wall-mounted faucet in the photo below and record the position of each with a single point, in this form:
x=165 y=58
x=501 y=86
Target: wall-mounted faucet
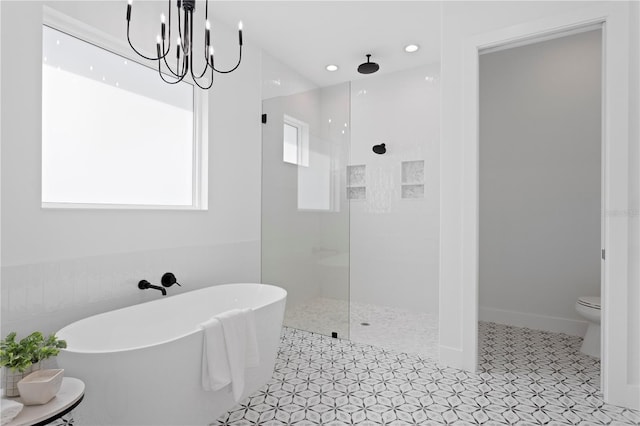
x=167 y=280
x=144 y=284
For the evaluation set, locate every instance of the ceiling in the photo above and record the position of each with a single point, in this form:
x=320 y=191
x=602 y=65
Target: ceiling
x=308 y=35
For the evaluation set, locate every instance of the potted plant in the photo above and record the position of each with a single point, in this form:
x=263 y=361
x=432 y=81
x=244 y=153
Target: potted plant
x=19 y=358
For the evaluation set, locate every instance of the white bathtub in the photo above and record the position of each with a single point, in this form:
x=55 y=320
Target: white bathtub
x=142 y=364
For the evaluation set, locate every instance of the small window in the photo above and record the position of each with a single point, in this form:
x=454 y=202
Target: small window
x=295 y=147
x=114 y=134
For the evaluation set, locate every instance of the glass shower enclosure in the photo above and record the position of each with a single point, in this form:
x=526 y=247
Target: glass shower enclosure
x=305 y=211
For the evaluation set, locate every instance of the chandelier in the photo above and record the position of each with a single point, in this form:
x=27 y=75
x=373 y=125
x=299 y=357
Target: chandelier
x=184 y=51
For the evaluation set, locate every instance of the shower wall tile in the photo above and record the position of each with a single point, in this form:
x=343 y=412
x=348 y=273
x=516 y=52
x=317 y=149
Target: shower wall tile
x=395 y=222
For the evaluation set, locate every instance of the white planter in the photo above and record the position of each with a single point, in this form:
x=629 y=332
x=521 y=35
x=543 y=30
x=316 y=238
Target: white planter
x=10 y=379
x=40 y=386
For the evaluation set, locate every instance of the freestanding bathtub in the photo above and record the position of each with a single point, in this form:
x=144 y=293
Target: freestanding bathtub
x=142 y=364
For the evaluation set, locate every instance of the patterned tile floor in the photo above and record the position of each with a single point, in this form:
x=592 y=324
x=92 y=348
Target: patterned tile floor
x=526 y=377
x=386 y=327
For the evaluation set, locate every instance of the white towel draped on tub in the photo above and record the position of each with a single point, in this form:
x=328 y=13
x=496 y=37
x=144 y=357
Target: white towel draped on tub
x=230 y=346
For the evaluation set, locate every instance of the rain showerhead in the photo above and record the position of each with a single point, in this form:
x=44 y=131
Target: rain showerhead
x=368 y=67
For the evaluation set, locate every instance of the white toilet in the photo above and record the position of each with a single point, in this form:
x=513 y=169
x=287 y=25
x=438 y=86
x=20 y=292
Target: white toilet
x=589 y=308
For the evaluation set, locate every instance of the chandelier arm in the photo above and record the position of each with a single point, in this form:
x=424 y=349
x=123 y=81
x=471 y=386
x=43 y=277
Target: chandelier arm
x=176 y=75
x=169 y=42
x=182 y=40
x=232 y=69
x=195 y=80
x=182 y=73
x=136 y=50
x=185 y=65
x=191 y=60
x=169 y=81
x=165 y=53
x=206 y=67
x=164 y=56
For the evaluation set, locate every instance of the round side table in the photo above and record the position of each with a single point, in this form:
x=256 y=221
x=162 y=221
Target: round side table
x=68 y=397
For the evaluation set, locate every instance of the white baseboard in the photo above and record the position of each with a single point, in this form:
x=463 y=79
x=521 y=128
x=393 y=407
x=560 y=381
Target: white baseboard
x=533 y=321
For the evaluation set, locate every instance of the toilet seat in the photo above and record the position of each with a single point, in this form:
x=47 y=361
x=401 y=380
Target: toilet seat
x=590 y=302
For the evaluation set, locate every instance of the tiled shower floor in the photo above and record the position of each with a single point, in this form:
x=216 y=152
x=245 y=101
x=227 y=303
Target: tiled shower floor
x=385 y=327
x=526 y=377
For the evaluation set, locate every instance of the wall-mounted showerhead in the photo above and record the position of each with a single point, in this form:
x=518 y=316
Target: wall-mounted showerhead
x=368 y=67
x=379 y=149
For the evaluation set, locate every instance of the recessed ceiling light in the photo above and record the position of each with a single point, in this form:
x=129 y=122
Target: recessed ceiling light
x=332 y=67
x=410 y=48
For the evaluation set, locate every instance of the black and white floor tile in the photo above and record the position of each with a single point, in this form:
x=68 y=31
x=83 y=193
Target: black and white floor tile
x=526 y=377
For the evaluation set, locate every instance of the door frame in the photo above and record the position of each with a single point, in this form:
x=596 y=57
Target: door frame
x=615 y=140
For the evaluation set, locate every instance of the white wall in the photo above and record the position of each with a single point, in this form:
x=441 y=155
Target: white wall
x=279 y=79
x=61 y=265
x=634 y=198
x=461 y=22
x=394 y=241
x=539 y=201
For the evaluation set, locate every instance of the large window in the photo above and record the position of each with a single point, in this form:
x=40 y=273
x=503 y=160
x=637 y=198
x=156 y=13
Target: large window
x=114 y=134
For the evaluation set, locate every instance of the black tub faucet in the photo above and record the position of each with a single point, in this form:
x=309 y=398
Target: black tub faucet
x=144 y=284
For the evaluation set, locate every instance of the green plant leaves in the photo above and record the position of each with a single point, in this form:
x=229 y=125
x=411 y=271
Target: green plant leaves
x=30 y=350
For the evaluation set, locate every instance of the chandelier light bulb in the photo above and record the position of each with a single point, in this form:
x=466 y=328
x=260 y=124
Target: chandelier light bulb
x=130 y=2
x=210 y=50
x=207 y=25
x=240 y=25
x=162 y=18
x=178 y=42
x=158 y=39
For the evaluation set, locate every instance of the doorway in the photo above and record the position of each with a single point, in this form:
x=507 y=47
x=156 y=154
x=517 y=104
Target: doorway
x=459 y=250
x=540 y=198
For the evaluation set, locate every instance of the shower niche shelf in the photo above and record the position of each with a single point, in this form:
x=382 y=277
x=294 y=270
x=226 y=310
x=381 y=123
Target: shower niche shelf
x=412 y=179
x=356 y=182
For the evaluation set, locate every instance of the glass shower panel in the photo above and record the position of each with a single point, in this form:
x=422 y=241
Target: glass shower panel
x=305 y=211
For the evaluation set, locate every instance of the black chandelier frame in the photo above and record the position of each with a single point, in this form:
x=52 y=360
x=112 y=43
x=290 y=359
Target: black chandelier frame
x=184 y=43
